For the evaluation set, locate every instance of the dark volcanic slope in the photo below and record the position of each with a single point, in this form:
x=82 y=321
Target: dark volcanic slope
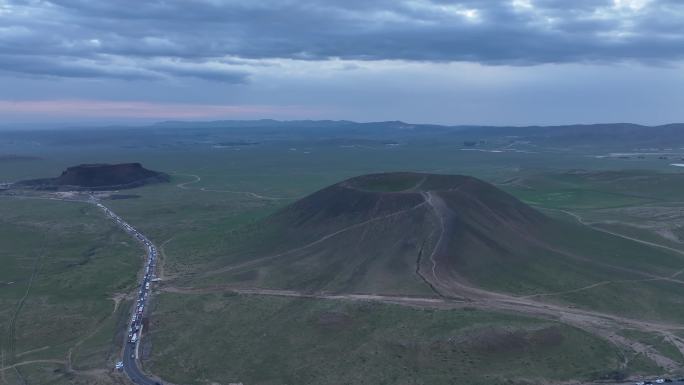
x=376 y=195
x=418 y=234
x=99 y=177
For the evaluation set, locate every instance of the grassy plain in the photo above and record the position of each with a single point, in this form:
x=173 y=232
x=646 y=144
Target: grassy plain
x=63 y=264
x=210 y=209
x=267 y=340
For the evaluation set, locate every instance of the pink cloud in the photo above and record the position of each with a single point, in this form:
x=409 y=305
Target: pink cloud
x=40 y=109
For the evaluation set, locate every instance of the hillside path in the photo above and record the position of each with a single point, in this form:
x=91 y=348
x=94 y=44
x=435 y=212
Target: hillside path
x=600 y=324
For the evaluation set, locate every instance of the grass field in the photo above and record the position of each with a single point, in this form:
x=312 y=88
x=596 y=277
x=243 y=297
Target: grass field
x=63 y=264
x=213 y=206
x=656 y=341
x=265 y=340
x=597 y=189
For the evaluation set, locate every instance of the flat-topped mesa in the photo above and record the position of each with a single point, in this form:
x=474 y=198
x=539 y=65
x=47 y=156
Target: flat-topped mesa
x=99 y=177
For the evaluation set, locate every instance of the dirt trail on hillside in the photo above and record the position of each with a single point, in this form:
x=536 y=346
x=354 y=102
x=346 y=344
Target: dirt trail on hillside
x=670 y=278
x=22 y=363
x=600 y=324
x=161 y=262
x=444 y=214
x=403 y=300
x=581 y=221
x=457 y=293
x=440 y=245
x=316 y=242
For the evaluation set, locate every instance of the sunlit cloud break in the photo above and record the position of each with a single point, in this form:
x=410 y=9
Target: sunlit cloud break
x=139 y=109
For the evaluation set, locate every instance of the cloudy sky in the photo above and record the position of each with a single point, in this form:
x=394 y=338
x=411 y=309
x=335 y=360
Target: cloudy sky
x=512 y=62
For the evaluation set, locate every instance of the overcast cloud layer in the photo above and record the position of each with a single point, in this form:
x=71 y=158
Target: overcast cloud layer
x=245 y=52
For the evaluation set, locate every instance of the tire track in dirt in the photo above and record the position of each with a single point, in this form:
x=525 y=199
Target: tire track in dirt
x=601 y=325
x=98 y=327
x=31 y=351
x=23 y=363
x=581 y=221
x=588 y=287
x=402 y=300
x=185 y=184
x=161 y=263
x=581 y=257
x=248 y=193
x=670 y=278
x=11 y=330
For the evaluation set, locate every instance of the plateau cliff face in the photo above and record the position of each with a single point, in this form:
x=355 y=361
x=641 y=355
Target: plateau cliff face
x=98 y=177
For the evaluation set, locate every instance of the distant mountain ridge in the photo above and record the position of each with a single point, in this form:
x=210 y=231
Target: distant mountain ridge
x=178 y=134
x=572 y=134
x=271 y=122
x=401 y=124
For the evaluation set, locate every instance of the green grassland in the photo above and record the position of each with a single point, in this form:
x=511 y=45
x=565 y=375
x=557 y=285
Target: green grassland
x=266 y=340
x=655 y=341
x=597 y=189
x=62 y=264
x=81 y=260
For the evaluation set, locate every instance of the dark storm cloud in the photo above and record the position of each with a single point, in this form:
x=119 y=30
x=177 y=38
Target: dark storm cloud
x=197 y=38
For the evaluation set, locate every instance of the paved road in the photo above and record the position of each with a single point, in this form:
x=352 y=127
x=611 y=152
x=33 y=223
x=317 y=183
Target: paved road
x=132 y=369
x=134 y=328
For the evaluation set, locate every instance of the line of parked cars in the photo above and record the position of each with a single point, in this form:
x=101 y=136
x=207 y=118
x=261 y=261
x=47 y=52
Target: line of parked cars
x=659 y=381
x=143 y=292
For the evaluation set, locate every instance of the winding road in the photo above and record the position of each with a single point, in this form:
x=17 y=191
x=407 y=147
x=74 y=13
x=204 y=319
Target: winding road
x=132 y=342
